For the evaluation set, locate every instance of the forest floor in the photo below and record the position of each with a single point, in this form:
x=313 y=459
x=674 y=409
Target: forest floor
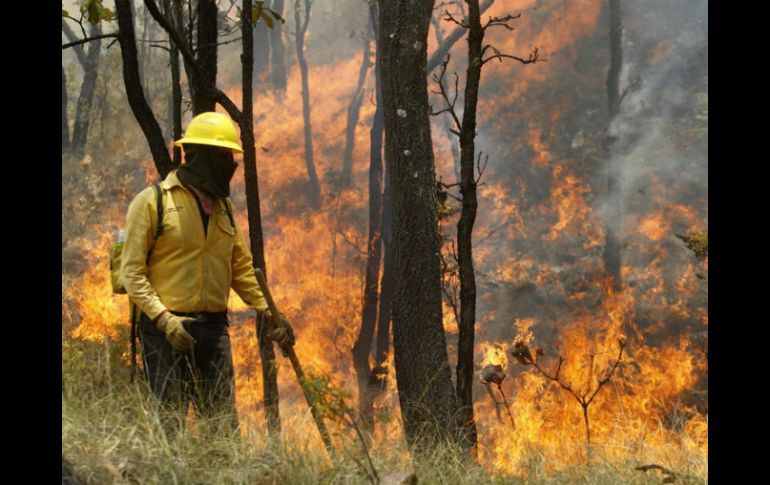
x=110 y=434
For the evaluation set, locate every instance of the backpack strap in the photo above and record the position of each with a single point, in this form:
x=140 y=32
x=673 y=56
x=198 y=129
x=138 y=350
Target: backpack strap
x=159 y=228
x=134 y=311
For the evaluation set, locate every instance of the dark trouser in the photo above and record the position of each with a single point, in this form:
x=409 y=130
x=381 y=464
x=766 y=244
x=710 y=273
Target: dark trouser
x=204 y=376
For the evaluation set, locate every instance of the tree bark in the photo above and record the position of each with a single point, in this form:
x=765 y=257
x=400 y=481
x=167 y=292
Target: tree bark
x=85 y=100
x=363 y=345
x=354 y=110
x=206 y=56
x=277 y=51
x=134 y=92
x=176 y=83
x=301 y=28
x=65 y=130
x=613 y=224
x=426 y=394
x=266 y=351
x=465 y=228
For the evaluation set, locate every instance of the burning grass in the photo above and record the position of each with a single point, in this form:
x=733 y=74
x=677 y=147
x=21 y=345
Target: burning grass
x=111 y=434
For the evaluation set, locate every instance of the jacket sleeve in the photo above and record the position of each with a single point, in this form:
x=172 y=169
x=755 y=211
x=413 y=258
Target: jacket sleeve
x=133 y=269
x=244 y=281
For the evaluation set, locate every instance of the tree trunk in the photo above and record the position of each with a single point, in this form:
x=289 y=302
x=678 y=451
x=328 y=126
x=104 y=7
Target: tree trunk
x=246 y=121
x=614 y=221
x=426 y=394
x=85 y=100
x=386 y=283
x=465 y=229
x=301 y=27
x=277 y=51
x=65 y=130
x=363 y=346
x=354 y=110
x=176 y=83
x=134 y=92
x=206 y=56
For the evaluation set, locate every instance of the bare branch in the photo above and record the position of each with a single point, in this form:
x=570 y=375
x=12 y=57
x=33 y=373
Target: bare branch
x=88 y=39
x=500 y=22
x=450 y=18
x=534 y=57
x=603 y=381
x=439 y=80
x=480 y=168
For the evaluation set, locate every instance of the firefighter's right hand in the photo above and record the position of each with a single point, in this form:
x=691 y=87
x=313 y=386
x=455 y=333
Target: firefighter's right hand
x=173 y=327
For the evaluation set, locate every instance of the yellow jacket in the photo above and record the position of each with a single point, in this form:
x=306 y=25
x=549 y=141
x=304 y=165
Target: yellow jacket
x=188 y=271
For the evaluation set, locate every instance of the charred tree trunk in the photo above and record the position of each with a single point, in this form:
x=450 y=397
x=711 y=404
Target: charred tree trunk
x=175 y=13
x=614 y=215
x=277 y=51
x=65 y=130
x=134 y=91
x=301 y=24
x=87 y=89
x=363 y=346
x=354 y=110
x=465 y=228
x=426 y=394
x=206 y=57
x=386 y=283
x=266 y=351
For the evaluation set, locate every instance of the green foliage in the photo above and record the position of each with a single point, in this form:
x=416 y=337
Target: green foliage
x=329 y=398
x=95 y=12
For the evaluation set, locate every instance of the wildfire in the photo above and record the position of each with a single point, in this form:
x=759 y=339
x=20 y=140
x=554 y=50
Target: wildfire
x=316 y=257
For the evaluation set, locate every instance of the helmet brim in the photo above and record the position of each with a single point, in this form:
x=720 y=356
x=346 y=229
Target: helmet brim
x=208 y=141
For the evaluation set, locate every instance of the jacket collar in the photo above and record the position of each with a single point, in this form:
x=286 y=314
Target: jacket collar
x=170 y=181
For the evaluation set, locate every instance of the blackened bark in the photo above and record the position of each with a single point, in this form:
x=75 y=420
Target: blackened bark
x=65 y=130
x=246 y=121
x=301 y=24
x=176 y=84
x=386 y=283
x=426 y=394
x=354 y=110
x=134 y=92
x=465 y=228
x=614 y=221
x=87 y=89
x=206 y=56
x=363 y=345
x=277 y=51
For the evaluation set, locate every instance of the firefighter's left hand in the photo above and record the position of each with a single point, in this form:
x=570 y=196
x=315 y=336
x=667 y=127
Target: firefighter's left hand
x=282 y=333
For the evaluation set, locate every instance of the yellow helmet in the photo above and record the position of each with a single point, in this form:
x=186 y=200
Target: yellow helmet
x=211 y=128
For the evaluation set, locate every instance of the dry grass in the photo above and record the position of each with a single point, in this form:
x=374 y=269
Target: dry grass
x=111 y=434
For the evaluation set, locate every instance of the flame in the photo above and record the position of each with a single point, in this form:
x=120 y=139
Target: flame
x=316 y=257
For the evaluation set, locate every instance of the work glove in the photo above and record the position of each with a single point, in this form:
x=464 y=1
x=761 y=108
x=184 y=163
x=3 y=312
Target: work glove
x=280 y=331
x=173 y=327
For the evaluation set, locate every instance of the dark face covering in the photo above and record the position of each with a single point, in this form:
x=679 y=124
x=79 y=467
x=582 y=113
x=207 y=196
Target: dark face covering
x=208 y=169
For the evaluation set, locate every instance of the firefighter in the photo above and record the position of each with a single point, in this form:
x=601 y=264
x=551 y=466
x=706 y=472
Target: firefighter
x=180 y=281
